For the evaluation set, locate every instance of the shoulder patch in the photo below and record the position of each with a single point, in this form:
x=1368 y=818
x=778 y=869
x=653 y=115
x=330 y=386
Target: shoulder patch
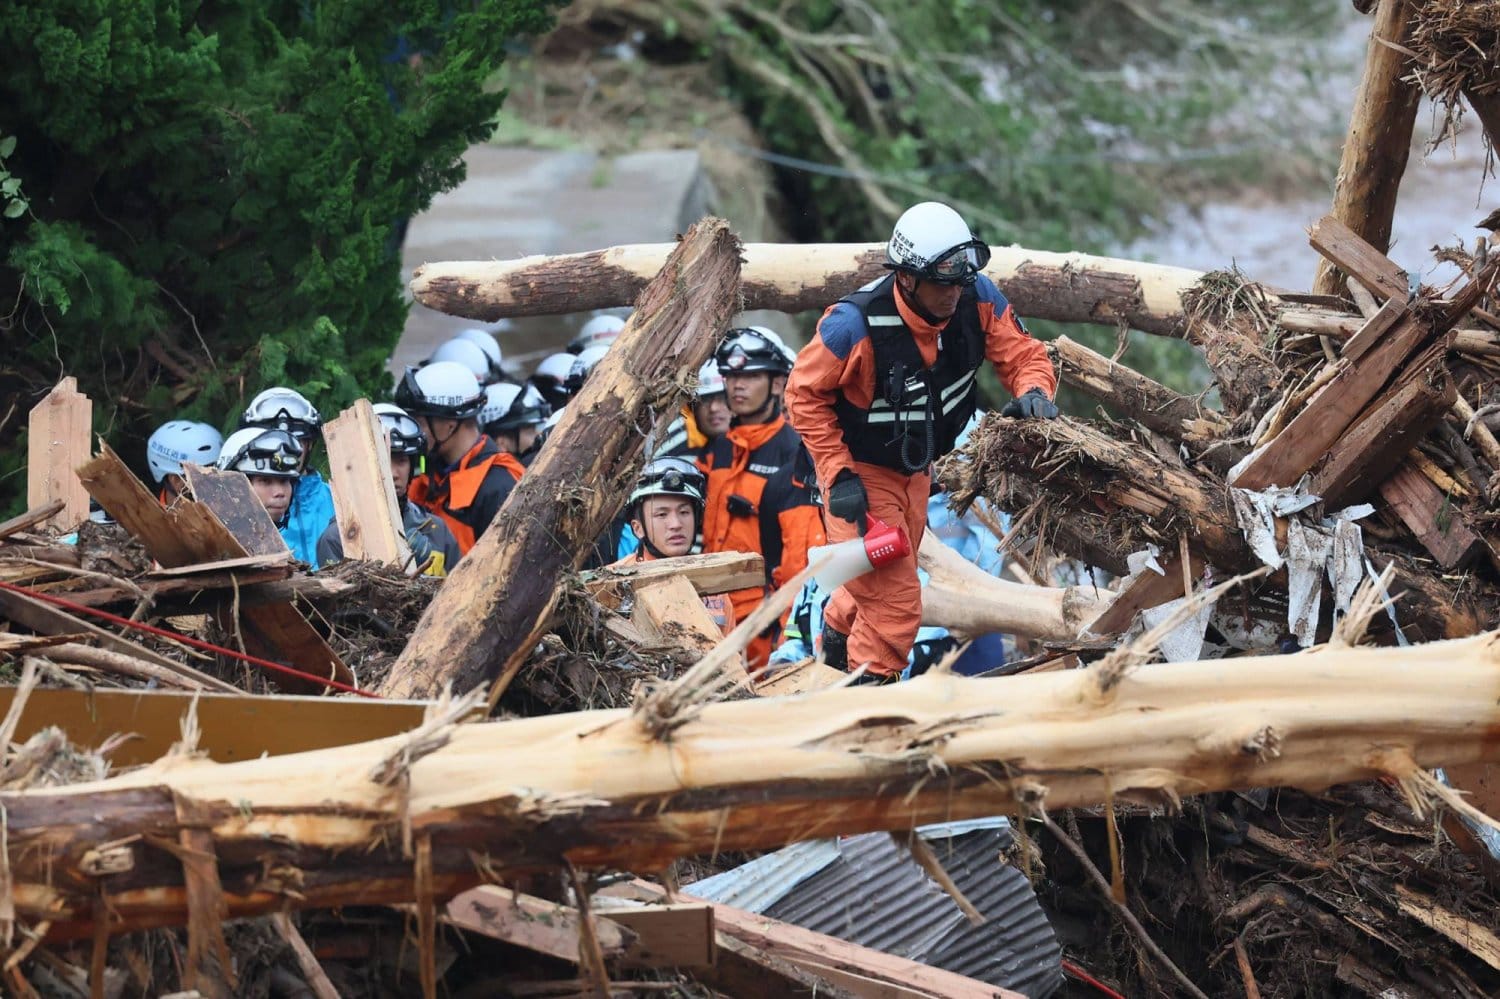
x=841 y=328
x=986 y=291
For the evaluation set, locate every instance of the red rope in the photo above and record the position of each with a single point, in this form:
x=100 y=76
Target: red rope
x=1074 y=971
x=202 y=646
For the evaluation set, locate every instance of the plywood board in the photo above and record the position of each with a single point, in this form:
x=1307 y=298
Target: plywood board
x=364 y=497
x=57 y=441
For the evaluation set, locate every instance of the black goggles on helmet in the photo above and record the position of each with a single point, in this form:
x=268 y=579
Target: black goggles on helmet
x=275 y=452
x=959 y=266
x=747 y=350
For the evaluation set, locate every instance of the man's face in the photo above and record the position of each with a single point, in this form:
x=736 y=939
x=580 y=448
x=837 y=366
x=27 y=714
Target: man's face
x=401 y=473
x=666 y=522
x=275 y=493
x=748 y=394
x=517 y=441
x=939 y=300
x=712 y=415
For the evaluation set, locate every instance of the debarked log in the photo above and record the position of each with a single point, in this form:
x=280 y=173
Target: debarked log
x=1112 y=499
x=596 y=789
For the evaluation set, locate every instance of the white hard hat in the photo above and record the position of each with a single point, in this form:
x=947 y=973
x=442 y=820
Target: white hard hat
x=780 y=344
x=485 y=341
x=405 y=436
x=583 y=364
x=933 y=242
x=603 y=329
x=555 y=367
x=181 y=440
x=465 y=352
x=510 y=407
x=445 y=389
x=710 y=382
x=670 y=476
x=258 y=451
x=282 y=408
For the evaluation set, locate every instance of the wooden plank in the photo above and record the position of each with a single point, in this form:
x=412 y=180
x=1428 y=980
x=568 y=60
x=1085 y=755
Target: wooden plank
x=1374 y=329
x=1325 y=417
x=1346 y=250
x=279 y=560
x=743 y=972
x=669 y=609
x=801 y=678
x=526 y=921
x=1471 y=936
x=279 y=630
x=57 y=440
x=676 y=935
x=1436 y=522
x=1144 y=592
x=865 y=972
x=364 y=495
x=718 y=572
x=1385 y=432
x=31 y=518
x=232 y=727
x=232 y=499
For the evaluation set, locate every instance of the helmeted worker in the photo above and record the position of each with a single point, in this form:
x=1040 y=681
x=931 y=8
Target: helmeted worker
x=270 y=459
x=433 y=546
x=282 y=408
x=583 y=366
x=551 y=379
x=884 y=389
x=599 y=331
x=702 y=421
x=173 y=443
x=468 y=478
x=666 y=511
x=512 y=417
x=760 y=486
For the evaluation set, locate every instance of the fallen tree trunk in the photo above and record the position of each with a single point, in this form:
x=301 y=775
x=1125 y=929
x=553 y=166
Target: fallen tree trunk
x=1111 y=499
x=1070 y=287
x=1379 y=140
x=965 y=599
x=597 y=789
x=495 y=606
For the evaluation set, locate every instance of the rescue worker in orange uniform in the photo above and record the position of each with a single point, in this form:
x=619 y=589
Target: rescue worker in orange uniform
x=760 y=482
x=468 y=478
x=882 y=390
x=666 y=511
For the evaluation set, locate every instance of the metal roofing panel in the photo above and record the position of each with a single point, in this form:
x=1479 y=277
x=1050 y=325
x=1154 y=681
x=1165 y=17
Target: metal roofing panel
x=757 y=885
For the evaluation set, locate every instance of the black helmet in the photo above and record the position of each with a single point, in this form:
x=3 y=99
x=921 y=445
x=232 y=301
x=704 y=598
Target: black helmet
x=748 y=349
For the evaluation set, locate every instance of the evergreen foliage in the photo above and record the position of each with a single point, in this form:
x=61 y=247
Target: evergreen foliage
x=200 y=200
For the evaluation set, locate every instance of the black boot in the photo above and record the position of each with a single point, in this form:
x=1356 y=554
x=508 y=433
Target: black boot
x=835 y=648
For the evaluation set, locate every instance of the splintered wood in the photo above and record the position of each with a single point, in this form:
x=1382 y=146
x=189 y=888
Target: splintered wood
x=57 y=442
x=364 y=496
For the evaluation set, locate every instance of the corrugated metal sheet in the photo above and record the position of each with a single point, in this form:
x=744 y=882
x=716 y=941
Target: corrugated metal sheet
x=868 y=890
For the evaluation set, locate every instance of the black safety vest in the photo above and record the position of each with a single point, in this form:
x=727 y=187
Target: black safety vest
x=918 y=412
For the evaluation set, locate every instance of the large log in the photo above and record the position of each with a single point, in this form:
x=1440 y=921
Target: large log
x=598 y=789
x=496 y=604
x=1112 y=499
x=1379 y=140
x=1070 y=287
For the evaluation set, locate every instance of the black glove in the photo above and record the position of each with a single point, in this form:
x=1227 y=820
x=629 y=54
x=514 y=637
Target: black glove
x=847 y=501
x=1033 y=405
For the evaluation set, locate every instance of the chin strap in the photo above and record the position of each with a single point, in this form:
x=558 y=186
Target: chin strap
x=916 y=306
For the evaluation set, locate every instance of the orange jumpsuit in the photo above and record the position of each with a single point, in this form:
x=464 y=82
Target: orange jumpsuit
x=467 y=496
x=844 y=404
x=760 y=499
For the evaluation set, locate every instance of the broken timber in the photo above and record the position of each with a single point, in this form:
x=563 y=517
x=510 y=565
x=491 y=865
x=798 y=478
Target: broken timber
x=325 y=828
x=497 y=604
x=364 y=495
x=57 y=440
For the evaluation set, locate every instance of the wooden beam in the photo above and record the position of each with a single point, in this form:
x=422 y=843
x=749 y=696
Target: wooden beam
x=1381 y=436
x=497 y=604
x=1437 y=522
x=57 y=441
x=233 y=502
x=31 y=518
x=711 y=572
x=671 y=935
x=1146 y=591
x=523 y=920
x=1359 y=258
x=1379 y=139
x=745 y=972
x=800 y=678
x=364 y=495
x=670 y=611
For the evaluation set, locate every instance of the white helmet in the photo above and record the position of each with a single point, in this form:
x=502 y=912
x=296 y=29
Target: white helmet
x=599 y=330
x=181 y=440
x=780 y=344
x=933 y=242
x=466 y=352
x=281 y=408
x=258 y=451
x=583 y=364
x=553 y=420
x=710 y=382
x=405 y=436
x=670 y=476
x=556 y=367
x=510 y=407
x=486 y=342
x=444 y=389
